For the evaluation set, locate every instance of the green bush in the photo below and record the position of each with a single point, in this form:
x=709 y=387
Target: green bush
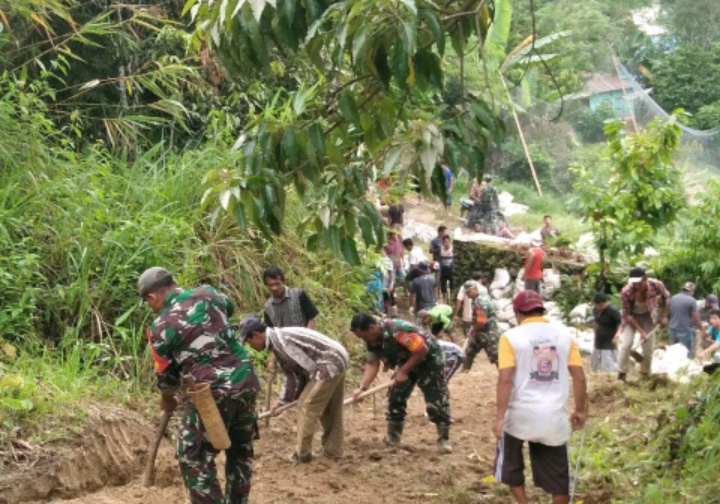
x=590 y=124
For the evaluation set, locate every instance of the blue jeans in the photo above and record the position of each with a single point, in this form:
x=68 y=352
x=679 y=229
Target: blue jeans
x=686 y=338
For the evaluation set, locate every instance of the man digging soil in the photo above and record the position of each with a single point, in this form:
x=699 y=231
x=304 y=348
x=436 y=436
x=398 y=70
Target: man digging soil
x=192 y=337
x=313 y=367
x=417 y=359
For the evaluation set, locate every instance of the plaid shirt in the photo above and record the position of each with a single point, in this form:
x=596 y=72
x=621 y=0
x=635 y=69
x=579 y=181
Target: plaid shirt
x=657 y=296
x=304 y=355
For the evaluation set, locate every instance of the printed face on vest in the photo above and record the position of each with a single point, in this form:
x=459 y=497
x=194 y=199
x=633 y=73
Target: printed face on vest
x=544 y=366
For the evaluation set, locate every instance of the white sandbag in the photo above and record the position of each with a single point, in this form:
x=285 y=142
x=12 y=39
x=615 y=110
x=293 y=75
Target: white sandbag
x=551 y=282
x=506 y=315
x=513 y=321
x=501 y=304
x=504 y=199
x=501 y=293
x=502 y=279
x=503 y=327
x=418 y=231
x=515 y=209
x=552 y=310
x=581 y=311
x=536 y=236
x=519 y=283
x=675 y=363
x=522 y=238
x=585 y=340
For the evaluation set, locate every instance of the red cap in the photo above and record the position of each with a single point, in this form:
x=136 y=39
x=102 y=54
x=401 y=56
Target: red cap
x=527 y=300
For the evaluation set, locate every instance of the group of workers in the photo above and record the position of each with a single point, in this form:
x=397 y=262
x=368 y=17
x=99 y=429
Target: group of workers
x=193 y=340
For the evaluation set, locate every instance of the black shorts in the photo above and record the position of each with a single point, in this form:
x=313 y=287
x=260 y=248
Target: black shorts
x=550 y=465
x=535 y=285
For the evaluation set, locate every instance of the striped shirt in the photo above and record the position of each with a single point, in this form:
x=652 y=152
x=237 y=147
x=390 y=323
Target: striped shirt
x=304 y=355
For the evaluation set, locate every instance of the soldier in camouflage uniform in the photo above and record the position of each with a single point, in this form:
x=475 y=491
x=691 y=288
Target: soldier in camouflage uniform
x=416 y=358
x=489 y=206
x=191 y=338
x=484 y=332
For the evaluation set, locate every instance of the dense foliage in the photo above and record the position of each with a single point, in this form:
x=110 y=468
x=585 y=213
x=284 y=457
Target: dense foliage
x=636 y=193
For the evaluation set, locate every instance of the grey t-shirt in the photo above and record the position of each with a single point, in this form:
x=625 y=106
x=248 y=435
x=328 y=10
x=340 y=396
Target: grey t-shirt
x=424 y=289
x=682 y=307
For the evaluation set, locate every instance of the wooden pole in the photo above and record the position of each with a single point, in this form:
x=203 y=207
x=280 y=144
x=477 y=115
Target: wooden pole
x=522 y=136
x=149 y=478
x=347 y=401
x=632 y=110
x=268 y=397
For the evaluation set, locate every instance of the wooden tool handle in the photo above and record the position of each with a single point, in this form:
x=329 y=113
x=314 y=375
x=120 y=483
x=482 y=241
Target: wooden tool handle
x=268 y=396
x=149 y=479
x=350 y=400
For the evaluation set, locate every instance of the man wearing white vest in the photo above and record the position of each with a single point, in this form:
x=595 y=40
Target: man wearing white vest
x=535 y=362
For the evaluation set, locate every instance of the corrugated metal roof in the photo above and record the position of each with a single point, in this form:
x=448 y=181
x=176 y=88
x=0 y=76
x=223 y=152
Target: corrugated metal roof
x=606 y=84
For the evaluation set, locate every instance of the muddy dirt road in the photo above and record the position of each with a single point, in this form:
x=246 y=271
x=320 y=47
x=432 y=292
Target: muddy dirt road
x=370 y=472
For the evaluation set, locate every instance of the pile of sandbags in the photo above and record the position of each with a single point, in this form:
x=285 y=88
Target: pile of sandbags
x=551 y=282
x=501 y=286
x=522 y=238
x=418 y=231
x=674 y=362
x=502 y=304
x=585 y=340
x=508 y=207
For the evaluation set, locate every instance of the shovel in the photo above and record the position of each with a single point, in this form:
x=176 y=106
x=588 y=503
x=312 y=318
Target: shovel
x=637 y=356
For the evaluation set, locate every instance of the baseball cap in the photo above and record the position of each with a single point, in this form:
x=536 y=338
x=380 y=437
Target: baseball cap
x=688 y=286
x=150 y=278
x=424 y=266
x=527 y=300
x=249 y=325
x=712 y=299
x=422 y=314
x=636 y=275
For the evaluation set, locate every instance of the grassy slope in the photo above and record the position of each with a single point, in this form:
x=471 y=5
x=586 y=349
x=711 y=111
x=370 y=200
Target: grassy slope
x=92 y=223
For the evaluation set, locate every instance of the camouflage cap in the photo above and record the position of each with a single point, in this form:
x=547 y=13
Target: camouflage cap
x=150 y=278
x=422 y=314
x=469 y=285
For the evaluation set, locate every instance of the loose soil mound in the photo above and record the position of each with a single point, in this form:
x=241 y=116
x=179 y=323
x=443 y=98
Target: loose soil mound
x=110 y=454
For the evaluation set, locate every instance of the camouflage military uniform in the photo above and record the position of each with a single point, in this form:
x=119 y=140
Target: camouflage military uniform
x=428 y=375
x=192 y=336
x=489 y=206
x=485 y=338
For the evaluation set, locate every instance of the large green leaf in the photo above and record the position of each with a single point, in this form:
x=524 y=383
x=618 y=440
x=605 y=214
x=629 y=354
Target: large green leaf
x=348 y=107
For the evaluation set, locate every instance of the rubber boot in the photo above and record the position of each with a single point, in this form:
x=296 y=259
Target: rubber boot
x=443 y=441
x=394 y=433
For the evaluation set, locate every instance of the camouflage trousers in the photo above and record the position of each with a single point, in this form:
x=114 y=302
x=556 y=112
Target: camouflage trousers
x=429 y=376
x=481 y=340
x=196 y=454
x=489 y=222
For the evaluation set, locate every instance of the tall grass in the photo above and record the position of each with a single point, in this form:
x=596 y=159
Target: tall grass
x=76 y=230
